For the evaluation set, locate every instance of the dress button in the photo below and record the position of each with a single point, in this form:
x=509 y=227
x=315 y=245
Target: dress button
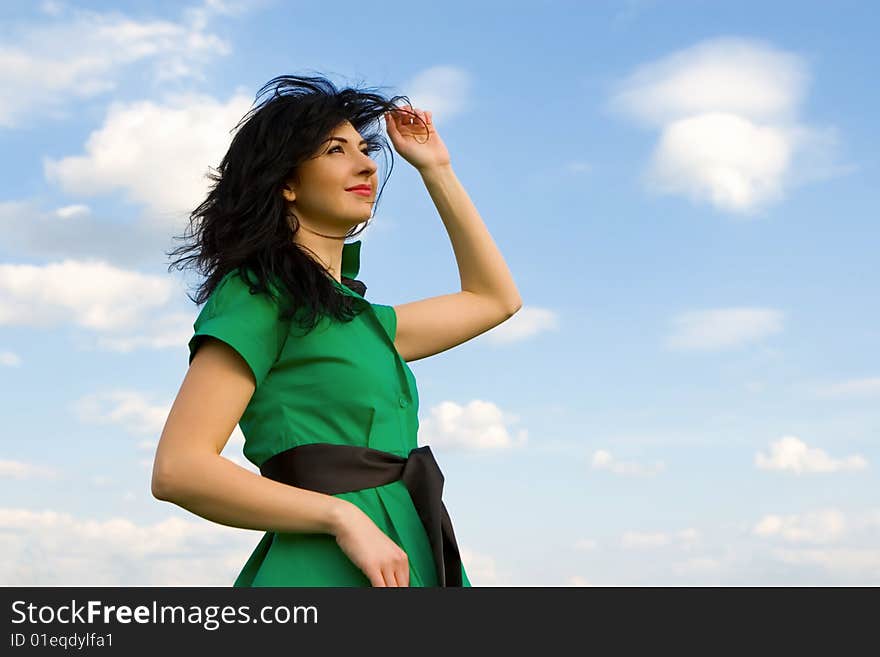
x=404 y=402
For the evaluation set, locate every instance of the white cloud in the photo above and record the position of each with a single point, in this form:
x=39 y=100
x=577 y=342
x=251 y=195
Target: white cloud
x=728 y=114
x=723 y=328
x=135 y=414
x=158 y=154
x=825 y=525
x=526 y=323
x=169 y=330
x=823 y=547
x=476 y=425
x=81 y=53
x=69 y=211
x=792 y=454
x=442 y=90
x=90 y=294
x=747 y=77
x=49 y=548
x=722 y=158
x=10 y=469
x=482 y=569
x=29 y=231
x=863 y=563
x=127 y=409
x=603 y=460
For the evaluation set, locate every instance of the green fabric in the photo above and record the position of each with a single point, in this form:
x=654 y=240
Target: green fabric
x=342 y=383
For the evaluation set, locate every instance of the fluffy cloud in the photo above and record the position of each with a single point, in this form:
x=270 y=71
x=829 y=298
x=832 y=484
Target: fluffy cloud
x=135 y=414
x=822 y=526
x=92 y=295
x=603 y=460
x=526 y=323
x=789 y=453
x=10 y=469
x=441 y=89
x=156 y=153
x=29 y=231
x=127 y=409
x=78 y=53
x=727 y=110
x=49 y=548
x=863 y=564
x=476 y=425
x=482 y=569
x=723 y=328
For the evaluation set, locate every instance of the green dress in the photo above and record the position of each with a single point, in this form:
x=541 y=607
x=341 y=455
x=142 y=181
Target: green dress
x=342 y=383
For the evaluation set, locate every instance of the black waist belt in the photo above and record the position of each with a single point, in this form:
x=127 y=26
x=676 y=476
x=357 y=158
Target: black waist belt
x=331 y=469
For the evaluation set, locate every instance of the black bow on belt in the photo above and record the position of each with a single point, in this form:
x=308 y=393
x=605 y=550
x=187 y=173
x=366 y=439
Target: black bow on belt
x=331 y=469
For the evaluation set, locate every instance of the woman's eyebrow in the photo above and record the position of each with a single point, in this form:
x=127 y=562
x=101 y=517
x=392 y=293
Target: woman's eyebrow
x=345 y=141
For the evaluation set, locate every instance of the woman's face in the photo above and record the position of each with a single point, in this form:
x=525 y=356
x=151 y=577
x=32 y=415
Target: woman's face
x=318 y=195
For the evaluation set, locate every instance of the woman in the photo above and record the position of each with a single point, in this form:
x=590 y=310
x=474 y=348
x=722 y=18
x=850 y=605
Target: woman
x=317 y=376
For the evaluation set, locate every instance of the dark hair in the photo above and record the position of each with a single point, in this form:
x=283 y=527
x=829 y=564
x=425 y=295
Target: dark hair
x=244 y=223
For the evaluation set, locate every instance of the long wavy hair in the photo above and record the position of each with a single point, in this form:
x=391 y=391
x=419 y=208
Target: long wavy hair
x=244 y=224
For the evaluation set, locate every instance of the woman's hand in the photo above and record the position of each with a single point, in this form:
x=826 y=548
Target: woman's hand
x=416 y=140
x=370 y=549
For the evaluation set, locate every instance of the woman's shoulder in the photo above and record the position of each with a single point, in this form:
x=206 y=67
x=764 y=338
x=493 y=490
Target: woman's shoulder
x=387 y=317
x=250 y=322
x=244 y=288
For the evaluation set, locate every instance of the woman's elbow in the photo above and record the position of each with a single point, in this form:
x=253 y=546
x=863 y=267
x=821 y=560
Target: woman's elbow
x=161 y=485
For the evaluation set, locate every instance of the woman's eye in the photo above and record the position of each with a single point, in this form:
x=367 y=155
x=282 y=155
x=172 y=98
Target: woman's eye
x=365 y=152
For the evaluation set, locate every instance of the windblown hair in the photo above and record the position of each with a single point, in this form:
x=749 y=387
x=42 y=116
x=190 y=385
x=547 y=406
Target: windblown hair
x=245 y=224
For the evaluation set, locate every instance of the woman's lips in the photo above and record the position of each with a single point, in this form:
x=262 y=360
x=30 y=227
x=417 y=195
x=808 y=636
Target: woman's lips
x=361 y=191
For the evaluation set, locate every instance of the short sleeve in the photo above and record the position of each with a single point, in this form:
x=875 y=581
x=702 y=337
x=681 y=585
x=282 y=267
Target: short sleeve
x=388 y=317
x=249 y=323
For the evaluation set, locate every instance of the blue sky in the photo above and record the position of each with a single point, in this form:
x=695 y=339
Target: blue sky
x=685 y=193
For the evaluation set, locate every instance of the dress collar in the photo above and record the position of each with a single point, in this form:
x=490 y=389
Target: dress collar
x=351 y=263
x=351 y=259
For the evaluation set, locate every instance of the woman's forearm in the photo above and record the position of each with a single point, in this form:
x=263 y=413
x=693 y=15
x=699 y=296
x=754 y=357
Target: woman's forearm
x=481 y=266
x=218 y=489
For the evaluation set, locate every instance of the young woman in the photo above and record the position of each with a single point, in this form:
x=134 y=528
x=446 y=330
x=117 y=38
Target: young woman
x=288 y=347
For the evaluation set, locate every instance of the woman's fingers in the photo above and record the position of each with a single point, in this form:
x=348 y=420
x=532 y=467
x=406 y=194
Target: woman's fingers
x=395 y=571
x=390 y=576
x=408 y=121
x=376 y=578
